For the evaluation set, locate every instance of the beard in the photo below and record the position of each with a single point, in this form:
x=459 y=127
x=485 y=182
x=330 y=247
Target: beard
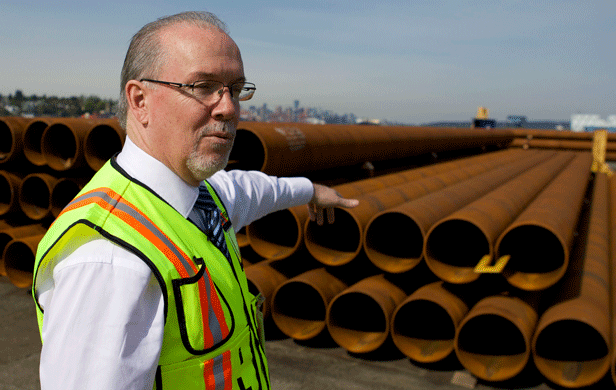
x=203 y=165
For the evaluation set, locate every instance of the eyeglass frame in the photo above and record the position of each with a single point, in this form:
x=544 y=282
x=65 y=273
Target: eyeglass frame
x=249 y=86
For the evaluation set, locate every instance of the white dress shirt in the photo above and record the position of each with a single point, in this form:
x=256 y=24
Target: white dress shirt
x=104 y=320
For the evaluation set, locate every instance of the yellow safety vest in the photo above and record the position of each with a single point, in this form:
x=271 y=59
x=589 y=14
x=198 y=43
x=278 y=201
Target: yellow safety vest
x=213 y=332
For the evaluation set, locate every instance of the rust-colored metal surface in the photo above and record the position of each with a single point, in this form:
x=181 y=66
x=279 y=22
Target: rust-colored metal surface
x=493 y=341
x=11 y=138
x=102 y=141
x=341 y=242
x=281 y=234
x=423 y=326
x=539 y=240
x=397 y=235
x=62 y=143
x=9 y=193
x=359 y=318
x=33 y=136
x=612 y=232
x=456 y=244
x=292 y=148
x=19 y=256
x=35 y=195
x=300 y=304
x=8 y=234
x=263 y=279
x=556 y=134
x=565 y=144
x=583 y=358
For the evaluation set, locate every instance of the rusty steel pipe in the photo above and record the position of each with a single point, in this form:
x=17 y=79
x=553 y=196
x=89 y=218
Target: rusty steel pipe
x=395 y=237
x=9 y=193
x=612 y=232
x=292 y=148
x=280 y=234
x=359 y=318
x=33 y=135
x=263 y=279
x=19 y=256
x=493 y=341
x=423 y=326
x=64 y=190
x=341 y=242
x=299 y=305
x=11 y=138
x=556 y=134
x=8 y=234
x=62 y=143
x=565 y=144
x=455 y=245
x=539 y=240
x=582 y=360
x=35 y=195
x=102 y=141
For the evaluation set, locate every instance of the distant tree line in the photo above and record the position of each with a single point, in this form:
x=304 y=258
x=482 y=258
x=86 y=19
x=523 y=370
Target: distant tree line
x=37 y=106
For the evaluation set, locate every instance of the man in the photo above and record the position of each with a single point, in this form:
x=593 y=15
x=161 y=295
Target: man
x=130 y=293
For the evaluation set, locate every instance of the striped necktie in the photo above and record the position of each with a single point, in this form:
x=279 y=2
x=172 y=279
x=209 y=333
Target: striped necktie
x=208 y=217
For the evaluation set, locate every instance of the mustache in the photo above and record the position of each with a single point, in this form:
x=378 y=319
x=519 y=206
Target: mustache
x=221 y=129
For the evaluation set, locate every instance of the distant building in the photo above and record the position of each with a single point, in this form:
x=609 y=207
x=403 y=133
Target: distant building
x=516 y=121
x=591 y=122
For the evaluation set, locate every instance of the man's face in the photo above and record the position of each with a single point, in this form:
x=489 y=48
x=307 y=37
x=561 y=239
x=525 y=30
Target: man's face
x=191 y=137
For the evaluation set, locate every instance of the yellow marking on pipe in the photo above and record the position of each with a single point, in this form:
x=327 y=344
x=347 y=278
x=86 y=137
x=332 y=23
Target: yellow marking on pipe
x=484 y=267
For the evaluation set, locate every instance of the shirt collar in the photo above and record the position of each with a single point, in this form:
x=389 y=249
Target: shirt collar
x=156 y=175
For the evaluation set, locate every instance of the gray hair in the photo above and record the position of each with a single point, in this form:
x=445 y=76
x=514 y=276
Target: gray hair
x=146 y=54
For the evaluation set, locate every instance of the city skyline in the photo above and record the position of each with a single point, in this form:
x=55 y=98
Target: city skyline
x=409 y=62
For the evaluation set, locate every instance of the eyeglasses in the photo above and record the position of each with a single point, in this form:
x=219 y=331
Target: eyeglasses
x=210 y=91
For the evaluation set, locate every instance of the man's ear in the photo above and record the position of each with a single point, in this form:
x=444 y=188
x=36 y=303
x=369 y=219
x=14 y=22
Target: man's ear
x=136 y=97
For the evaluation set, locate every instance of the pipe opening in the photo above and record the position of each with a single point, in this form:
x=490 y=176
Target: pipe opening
x=357 y=311
x=35 y=197
x=274 y=235
x=533 y=249
x=59 y=146
x=336 y=243
x=299 y=300
x=7 y=195
x=394 y=235
x=6 y=141
x=570 y=340
x=457 y=243
x=248 y=152
x=19 y=263
x=424 y=320
x=101 y=144
x=61 y=195
x=32 y=142
x=5 y=238
x=490 y=334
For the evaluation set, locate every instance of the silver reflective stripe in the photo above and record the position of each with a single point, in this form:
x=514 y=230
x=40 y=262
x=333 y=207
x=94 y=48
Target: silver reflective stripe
x=214 y=326
x=219 y=372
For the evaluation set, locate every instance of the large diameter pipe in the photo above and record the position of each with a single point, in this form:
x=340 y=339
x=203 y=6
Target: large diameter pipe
x=342 y=241
x=35 y=195
x=64 y=190
x=423 y=326
x=410 y=222
x=263 y=279
x=280 y=234
x=11 y=138
x=291 y=148
x=19 y=256
x=102 y=141
x=299 y=305
x=33 y=135
x=577 y=145
x=584 y=359
x=62 y=143
x=9 y=193
x=456 y=244
x=539 y=241
x=359 y=318
x=493 y=341
x=8 y=234
x=612 y=226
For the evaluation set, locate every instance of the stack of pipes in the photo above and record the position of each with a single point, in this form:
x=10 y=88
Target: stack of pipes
x=489 y=259
x=44 y=162
x=561 y=139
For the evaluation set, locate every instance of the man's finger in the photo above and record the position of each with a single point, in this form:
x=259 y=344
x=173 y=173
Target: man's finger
x=330 y=215
x=319 y=216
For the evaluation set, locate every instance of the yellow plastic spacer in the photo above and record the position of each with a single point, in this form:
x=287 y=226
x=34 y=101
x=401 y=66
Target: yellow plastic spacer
x=484 y=267
x=599 y=145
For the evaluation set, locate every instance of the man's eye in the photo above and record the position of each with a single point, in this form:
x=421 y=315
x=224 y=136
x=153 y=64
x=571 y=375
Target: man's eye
x=206 y=87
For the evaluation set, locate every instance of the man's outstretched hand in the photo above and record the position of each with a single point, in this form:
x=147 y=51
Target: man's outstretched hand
x=324 y=200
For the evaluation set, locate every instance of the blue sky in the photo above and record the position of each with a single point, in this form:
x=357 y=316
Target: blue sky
x=412 y=61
